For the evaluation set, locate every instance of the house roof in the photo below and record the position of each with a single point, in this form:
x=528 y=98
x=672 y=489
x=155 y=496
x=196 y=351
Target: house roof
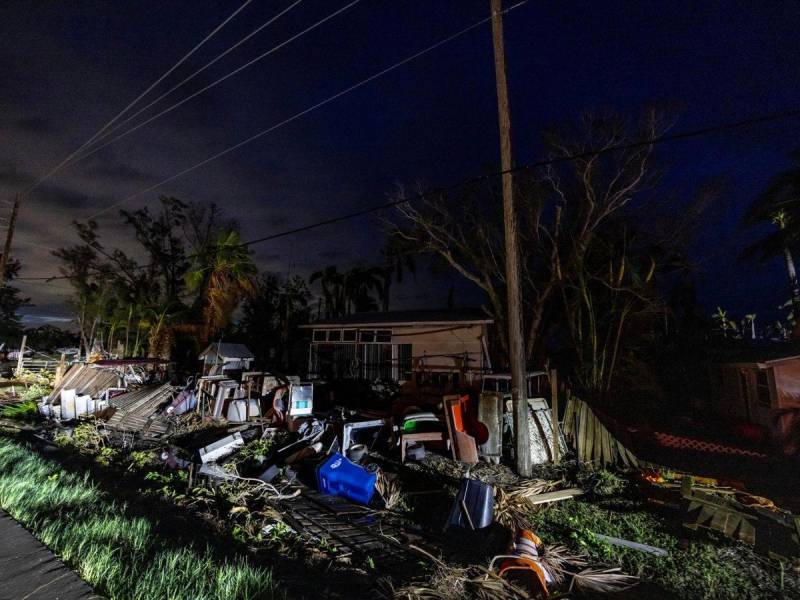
x=228 y=350
x=406 y=317
x=760 y=353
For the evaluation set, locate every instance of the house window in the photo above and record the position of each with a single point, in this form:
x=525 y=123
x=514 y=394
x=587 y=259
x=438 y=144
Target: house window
x=762 y=388
x=349 y=335
x=334 y=335
x=404 y=365
x=319 y=335
x=376 y=336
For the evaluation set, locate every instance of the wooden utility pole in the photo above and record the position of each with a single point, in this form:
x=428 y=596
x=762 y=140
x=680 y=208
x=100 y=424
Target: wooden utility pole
x=516 y=346
x=12 y=222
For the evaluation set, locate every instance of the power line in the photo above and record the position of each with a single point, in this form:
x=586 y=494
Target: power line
x=200 y=70
x=535 y=165
x=183 y=59
x=302 y=113
x=217 y=82
x=667 y=138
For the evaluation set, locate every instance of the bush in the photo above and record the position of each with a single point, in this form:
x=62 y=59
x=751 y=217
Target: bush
x=35 y=392
x=41 y=378
x=602 y=483
x=84 y=437
x=23 y=411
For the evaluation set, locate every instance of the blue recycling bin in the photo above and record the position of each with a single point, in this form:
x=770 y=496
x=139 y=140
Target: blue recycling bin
x=339 y=476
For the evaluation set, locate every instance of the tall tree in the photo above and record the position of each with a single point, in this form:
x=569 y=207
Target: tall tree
x=779 y=205
x=398 y=259
x=333 y=294
x=226 y=277
x=10 y=302
x=162 y=236
x=562 y=208
x=360 y=283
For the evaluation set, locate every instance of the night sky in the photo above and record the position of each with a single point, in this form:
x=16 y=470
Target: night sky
x=68 y=67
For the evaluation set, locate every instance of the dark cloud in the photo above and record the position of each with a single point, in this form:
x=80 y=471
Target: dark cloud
x=117 y=172
x=334 y=255
x=68 y=201
x=11 y=177
x=67 y=71
x=34 y=125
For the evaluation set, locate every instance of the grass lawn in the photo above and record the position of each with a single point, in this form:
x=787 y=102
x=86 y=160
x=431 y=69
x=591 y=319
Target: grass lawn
x=702 y=566
x=121 y=555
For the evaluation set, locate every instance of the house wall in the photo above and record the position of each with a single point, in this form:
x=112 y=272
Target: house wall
x=787 y=384
x=440 y=348
x=450 y=348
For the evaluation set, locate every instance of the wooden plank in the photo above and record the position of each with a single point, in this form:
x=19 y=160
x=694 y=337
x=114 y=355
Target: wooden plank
x=555 y=496
x=629 y=544
x=587 y=436
x=597 y=454
x=608 y=440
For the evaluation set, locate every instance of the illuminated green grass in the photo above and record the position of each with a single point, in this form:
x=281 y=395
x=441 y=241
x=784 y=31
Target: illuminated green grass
x=121 y=556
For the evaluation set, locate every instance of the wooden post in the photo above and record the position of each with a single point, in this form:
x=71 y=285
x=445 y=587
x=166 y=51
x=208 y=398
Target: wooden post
x=12 y=222
x=21 y=354
x=60 y=370
x=554 y=414
x=516 y=345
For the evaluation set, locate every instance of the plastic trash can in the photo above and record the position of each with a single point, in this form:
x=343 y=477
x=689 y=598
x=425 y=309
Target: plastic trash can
x=339 y=476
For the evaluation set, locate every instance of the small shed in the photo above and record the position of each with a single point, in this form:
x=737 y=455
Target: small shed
x=221 y=357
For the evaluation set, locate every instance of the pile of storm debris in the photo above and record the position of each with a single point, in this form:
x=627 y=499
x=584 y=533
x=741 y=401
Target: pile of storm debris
x=334 y=473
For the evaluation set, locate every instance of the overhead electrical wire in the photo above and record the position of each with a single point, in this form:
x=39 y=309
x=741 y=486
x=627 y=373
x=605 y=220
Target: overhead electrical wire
x=666 y=138
x=219 y=57
x=99 y=132
x=215 y=83
x=304 y=112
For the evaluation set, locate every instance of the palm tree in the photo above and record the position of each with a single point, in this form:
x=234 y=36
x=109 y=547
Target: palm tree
x=721 y=316
x=751 y=318
x=779 y=204
x=397 y=259
x=332 y=283
x=292 y=308
x=359 y=283
x=228 y=275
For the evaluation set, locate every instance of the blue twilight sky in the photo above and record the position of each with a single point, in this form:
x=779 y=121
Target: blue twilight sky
x=68 y=67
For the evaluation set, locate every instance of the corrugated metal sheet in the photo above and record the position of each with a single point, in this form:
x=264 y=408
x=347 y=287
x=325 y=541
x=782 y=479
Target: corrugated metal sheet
x=135 y=410
x=87 y=379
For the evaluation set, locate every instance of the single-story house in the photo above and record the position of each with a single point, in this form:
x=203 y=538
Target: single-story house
x=429 y=346
x=224 y=356
x=759 y=386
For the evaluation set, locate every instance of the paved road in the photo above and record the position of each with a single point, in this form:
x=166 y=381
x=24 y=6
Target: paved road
x=29 y=571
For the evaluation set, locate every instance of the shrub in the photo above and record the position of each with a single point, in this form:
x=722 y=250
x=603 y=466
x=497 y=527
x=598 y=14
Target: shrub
x=23 y=411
